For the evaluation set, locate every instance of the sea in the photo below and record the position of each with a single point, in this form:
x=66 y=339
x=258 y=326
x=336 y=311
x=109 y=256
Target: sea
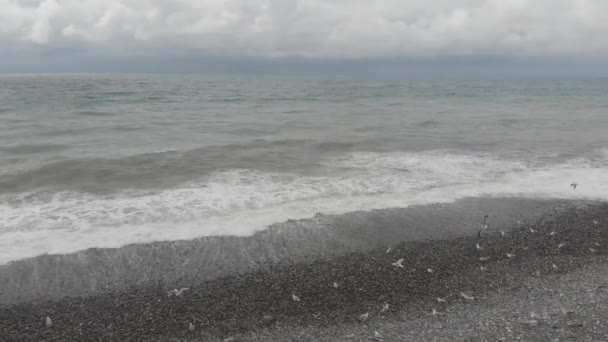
x=105 y=161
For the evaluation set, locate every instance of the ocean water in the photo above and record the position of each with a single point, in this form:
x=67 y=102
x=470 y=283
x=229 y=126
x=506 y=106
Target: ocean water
x=110 y=160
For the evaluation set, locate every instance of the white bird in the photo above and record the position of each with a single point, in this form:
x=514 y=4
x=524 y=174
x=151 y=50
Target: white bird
x=384 y=308
x=435 y=312
x=177 y=293
x=399 y=263
x=483 y=269
x=597 y=244
x=48 y=322
x=532 y=230
x=190 y=327
x=388 y=250
x=465 y=296
x=595 y=222
x=430 y=270
x=592 y=250
x=502 y=233
x=364 y=317
x=518 y=222
x=510 y=256
x=479 y=248
x=441 y=300
x=561 y=245
x=552 y=233
x=484 y=259
x=335 y=285
x=378 y=337
x=295 y=298
x=554 y=266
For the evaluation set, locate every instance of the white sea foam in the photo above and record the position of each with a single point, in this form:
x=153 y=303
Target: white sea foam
x=240 y=202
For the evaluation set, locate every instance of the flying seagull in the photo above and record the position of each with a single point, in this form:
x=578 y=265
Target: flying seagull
x=399 y=263
x=384 y=308
x=364 y=317
x=573 y=186
x=465 y=296
x=177 y=293
x=295 y=298
x=48 y=322
x=437 y=313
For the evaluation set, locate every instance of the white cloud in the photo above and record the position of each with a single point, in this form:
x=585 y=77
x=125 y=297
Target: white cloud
x=315 y=28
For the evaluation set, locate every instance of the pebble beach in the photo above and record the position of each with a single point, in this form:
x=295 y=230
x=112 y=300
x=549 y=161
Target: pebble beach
x=543 y=279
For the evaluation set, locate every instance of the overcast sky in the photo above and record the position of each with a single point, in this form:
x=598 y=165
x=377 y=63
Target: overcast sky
x=98 y=34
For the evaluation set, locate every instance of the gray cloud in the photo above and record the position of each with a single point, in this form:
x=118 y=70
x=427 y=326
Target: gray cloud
x=313 y=29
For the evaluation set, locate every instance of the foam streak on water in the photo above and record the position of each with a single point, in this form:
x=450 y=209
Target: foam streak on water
x=243 y=201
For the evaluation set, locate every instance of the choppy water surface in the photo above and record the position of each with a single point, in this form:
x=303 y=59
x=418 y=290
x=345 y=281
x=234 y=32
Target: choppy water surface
x=108 y=160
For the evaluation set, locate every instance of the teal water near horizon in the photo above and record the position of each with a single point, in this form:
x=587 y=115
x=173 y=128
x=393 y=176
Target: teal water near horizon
x=109 y=160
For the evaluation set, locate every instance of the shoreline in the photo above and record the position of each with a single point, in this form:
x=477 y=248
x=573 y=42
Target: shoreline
x=191 y=262
x=259 y=303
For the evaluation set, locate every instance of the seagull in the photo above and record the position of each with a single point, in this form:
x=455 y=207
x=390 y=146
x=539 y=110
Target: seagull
x=561 y=245
x=552 y=233
x=190 y=327
x=592 y=250
x=554 y=266
x=364 y=317
x=484 y=227
x=384 y=308
x=479 y=248
x=597 y=244
x=435 y=313
x=573 y=186
x=430 y=270
x=510 y=256
x=484 y=259
x=532 y=230
x=177 y=293
x=441 y=300
x=519 y=222
x=378 y=337
x=483 y=269
x=388 y=250
x=399 y=263
x=502 y=233
x=295 y=298
x=335 y=285
x=48 y=322
x=595 y=222
x=465 y=296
